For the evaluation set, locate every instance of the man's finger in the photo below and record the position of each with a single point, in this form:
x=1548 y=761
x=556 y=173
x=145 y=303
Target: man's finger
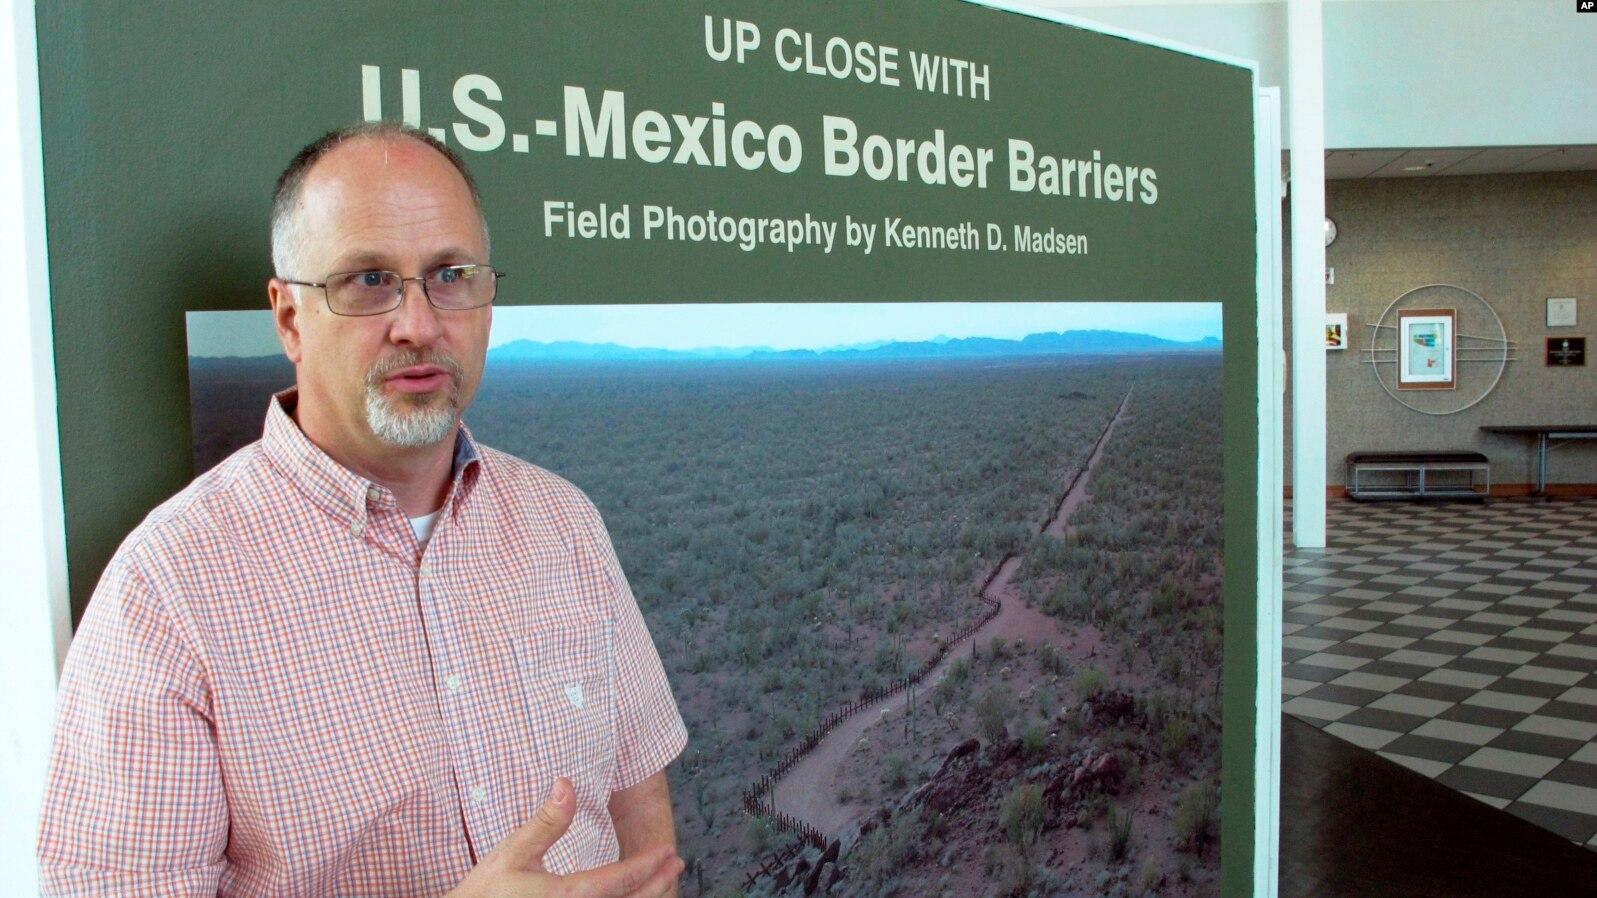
x=524 y=848
x=627 y=878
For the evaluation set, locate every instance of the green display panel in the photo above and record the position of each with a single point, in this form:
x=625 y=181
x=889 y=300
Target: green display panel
x=898 y=151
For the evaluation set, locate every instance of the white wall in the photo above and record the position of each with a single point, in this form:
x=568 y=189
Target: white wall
x=34 y=625
x=1438 y=73
x=1407 y=73
x=1249 y=29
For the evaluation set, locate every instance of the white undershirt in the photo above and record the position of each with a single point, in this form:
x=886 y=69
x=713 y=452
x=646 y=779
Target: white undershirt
x=423 y=527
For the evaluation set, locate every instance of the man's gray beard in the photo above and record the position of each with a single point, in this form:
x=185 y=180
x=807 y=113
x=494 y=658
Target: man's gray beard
x=419 y=425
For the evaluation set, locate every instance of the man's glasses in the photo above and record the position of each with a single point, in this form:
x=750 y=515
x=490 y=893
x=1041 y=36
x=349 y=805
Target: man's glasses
x=453 y=288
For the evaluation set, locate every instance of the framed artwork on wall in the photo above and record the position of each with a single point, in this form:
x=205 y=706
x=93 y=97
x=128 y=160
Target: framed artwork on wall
x=1561 y=311
x=1426 y=349
x=1566 y=352
x=1335 y=330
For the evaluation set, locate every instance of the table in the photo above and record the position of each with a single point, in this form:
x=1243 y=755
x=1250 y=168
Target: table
x=1544 y=434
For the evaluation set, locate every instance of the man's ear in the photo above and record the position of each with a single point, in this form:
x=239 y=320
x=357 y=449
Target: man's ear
x=285 y=316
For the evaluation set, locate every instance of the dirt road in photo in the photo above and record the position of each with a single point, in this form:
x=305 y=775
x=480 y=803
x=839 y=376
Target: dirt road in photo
x=809 y=790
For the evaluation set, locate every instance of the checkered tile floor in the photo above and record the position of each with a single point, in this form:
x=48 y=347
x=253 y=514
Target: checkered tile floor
x=1458 y=640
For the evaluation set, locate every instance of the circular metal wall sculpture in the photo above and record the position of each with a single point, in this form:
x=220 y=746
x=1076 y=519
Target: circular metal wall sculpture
x=1478 y=354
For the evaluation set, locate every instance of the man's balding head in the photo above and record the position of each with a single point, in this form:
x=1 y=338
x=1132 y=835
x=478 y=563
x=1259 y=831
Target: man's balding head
x=286 y=231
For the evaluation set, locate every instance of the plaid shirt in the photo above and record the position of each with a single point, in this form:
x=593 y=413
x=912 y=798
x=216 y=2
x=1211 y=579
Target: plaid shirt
x=276 y=691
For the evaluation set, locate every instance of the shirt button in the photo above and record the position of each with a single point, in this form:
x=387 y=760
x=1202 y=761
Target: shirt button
x=426 y=571
x=357 y=528
x=373 y=493
x=454 y=682
x=479 y=794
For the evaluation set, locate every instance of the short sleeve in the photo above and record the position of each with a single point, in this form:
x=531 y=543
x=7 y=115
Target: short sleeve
x=649 y=729
x=134 y=802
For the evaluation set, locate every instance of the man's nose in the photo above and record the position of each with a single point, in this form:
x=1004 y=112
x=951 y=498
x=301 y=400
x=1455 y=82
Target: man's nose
x=415 y=321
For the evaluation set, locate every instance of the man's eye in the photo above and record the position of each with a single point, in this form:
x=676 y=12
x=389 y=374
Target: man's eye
x=371 y=279
x=454 y=274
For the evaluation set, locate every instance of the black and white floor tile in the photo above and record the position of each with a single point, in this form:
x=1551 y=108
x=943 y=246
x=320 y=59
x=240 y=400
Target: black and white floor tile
x=1459 y=640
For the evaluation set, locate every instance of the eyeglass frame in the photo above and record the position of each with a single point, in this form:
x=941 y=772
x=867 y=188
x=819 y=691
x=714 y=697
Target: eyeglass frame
x=399 y=294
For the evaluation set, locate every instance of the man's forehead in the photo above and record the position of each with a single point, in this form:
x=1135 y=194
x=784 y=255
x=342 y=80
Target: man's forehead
x=373 y=196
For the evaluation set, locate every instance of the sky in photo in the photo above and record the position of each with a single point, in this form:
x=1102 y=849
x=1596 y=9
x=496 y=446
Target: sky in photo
x=771 y=325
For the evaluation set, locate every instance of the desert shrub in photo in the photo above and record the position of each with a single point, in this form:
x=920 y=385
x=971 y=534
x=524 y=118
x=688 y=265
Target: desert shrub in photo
x=762 y=835
x=1012 y=873
x=1094 y=805
x=1118 y=838
x=1052 y=661
x=883 y=854
x=896 y=776
x=1045 y=700
x=705 y=804
x=1021 y=816
x=1171 y=664
x=1176 y=738
x=1033 y=741
x=958 y=673
x=993 y=712
x=1089 y=682
x=1151 y=876
x=1128 y=650
x=997 y=650
x=1134 y=770
x=1197 y=816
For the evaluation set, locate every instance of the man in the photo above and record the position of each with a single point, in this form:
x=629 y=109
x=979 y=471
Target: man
x=366 y=655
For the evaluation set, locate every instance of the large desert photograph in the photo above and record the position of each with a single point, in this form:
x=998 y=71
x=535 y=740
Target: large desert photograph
x=937 y=585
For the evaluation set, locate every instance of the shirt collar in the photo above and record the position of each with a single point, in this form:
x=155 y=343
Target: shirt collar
x=340 y=491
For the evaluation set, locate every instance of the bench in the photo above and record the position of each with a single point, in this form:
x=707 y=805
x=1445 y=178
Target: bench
x=1418 y=478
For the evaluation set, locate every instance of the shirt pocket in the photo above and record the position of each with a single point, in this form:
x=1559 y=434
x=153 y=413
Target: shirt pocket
x=567 y=679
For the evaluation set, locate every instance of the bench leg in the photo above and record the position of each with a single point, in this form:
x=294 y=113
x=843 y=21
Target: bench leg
x=1541 y=465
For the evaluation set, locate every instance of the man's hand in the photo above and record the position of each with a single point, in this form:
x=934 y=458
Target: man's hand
x=515 y=868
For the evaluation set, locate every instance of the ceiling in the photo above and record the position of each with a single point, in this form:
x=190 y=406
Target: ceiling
x=1422 y=163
